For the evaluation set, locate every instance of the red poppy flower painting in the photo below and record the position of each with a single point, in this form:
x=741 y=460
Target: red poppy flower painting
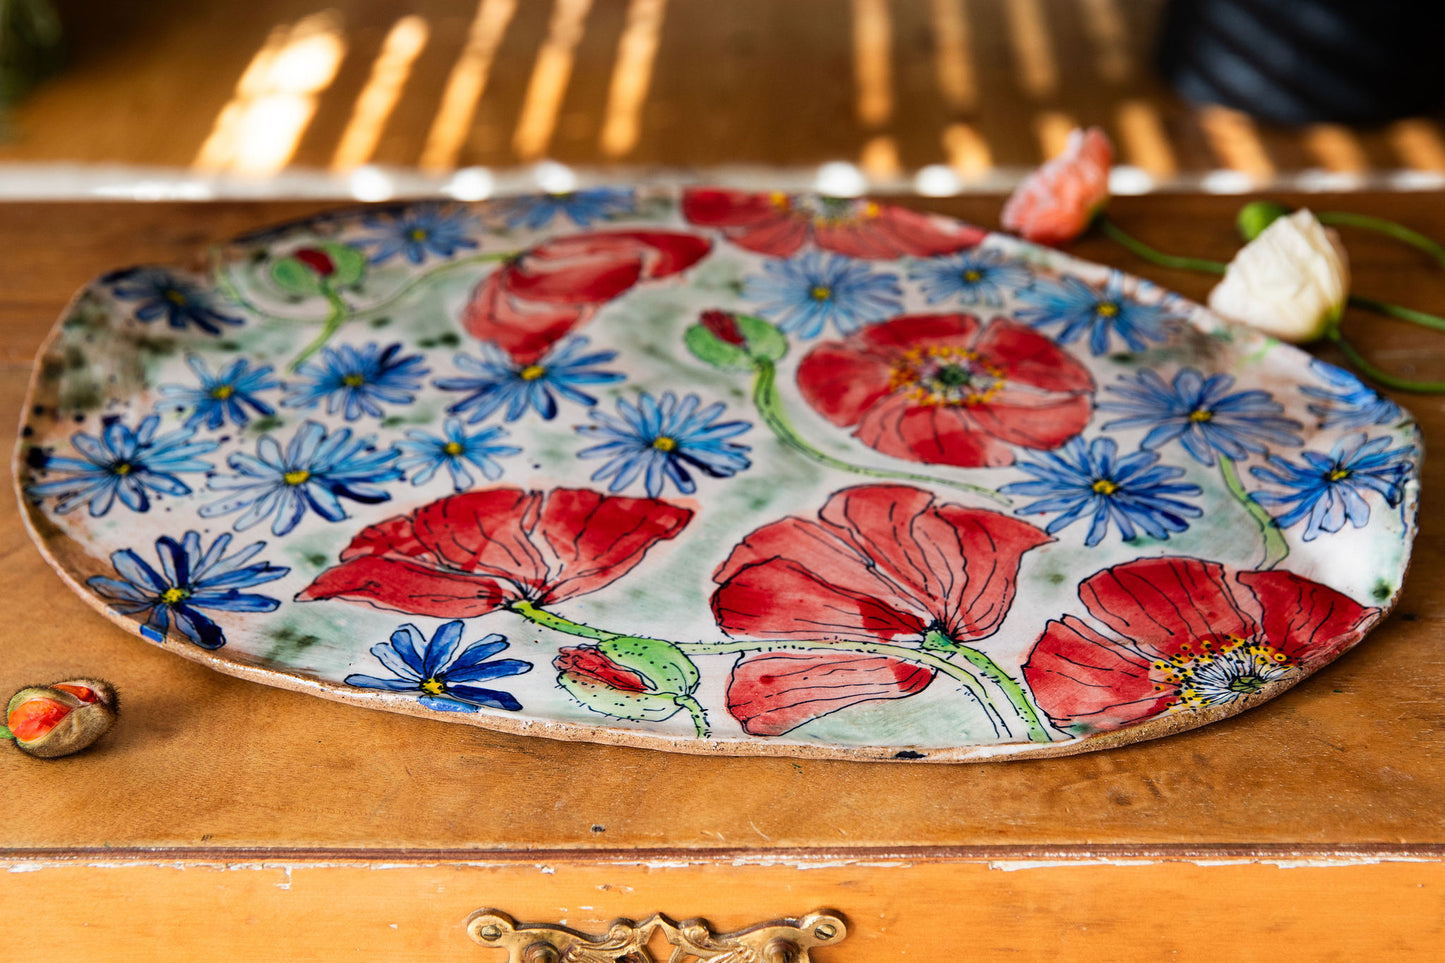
x=945 y=389
x=532 y=300
x=778 y=225
x=467 y=555
x=883 y=563
x=1185 y=634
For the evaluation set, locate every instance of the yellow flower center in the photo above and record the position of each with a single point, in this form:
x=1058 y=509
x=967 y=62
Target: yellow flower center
x=1339 y=474
x=222 y=392
x=973 y=277
x=943 y=374
x=353 y=381
x=779 y=200
x=121 y=468
x=1105 y=487
x=174 y=596
x=297 y=477
x=821 y=292
x=1107 y=310
x=434 y=687
x=532 y=372
x=1203 y=414
x=664 y=443
x=417 y=234
x=177 y=298
x=452 y=448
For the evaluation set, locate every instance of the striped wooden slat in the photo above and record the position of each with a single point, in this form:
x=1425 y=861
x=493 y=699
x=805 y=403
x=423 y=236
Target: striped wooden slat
x=978 y=86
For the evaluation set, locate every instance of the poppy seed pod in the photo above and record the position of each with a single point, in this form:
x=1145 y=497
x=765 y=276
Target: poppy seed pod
x=61 y=719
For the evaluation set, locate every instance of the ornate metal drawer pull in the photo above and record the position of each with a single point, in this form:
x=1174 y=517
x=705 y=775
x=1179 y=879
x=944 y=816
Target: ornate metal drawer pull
x=776 y=941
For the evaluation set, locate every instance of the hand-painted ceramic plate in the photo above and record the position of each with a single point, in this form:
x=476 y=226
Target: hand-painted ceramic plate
x=714 y=472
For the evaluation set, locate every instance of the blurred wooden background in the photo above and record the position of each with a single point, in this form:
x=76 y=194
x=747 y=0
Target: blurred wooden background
x=967 y=87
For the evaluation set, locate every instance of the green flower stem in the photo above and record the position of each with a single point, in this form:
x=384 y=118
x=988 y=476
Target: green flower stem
x=770 y=408
x=553 y=621
x=1422 y=318
x=1153 y=256
x=699 y=715
x=335 y=318
x=1378 y=375
x=446 y=268
x=233 y=293
x=924 y=658
x=1389 y=228
x=1275 y=547
x=991 y=671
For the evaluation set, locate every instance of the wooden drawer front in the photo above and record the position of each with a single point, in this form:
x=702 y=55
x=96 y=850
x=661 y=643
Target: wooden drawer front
x=1118 y=910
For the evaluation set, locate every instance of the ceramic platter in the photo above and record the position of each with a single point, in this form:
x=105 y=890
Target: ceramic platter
x=713 y=472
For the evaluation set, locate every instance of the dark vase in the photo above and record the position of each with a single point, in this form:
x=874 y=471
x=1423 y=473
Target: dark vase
x=1305 y=61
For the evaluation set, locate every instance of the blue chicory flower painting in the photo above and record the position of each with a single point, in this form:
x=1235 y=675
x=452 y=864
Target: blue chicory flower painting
x=222 y=396
x=807 y=293
x=1080 y=309
x=1347 y=402
x=446 y=678
x=496 y=382
x=423 y=454
x=658 y=441
x=357 y=381
x=1327 y=490
x=1090 y=480
x=160 y=294
x=132 y=465
x=419 y=231
x=982 y=276
x=190 y=583
x=1203 y=414
x=314 y=473
x=583 y=208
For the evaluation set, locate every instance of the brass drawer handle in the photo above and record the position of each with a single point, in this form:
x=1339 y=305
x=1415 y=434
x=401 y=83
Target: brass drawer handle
x=776 y=941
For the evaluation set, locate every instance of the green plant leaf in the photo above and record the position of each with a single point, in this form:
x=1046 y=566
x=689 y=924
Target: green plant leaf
x=663 y=664
x=709 y=348
x=350 y=263
x=293 y=277
x=765 y=341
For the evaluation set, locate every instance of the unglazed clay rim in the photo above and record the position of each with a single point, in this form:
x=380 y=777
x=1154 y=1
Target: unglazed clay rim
x=1165 y=724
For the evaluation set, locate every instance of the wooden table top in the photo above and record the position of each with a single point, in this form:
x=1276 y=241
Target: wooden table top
x=202 y=763
x=892 y=85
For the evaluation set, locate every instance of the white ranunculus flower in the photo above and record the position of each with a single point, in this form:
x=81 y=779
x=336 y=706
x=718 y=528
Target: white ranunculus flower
x=1291 y=281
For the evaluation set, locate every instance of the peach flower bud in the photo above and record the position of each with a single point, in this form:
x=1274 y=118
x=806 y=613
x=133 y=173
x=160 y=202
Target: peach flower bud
x=1057 y=202
x=57 y=720
x=1291 y=282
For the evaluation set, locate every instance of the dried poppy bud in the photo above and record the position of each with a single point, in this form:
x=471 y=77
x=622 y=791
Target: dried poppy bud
x=64 y=718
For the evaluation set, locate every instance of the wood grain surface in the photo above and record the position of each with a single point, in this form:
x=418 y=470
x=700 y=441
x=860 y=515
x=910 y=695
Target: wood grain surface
x=1125 y=911
x=979 y=85
x=1347 y=761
